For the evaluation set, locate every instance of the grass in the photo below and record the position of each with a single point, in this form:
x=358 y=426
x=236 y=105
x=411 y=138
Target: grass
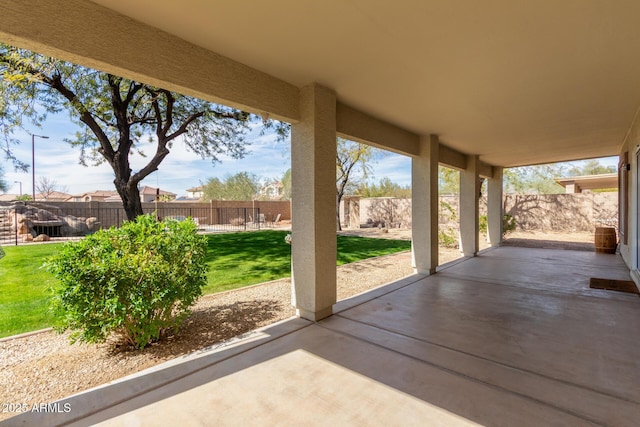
x=25 y=289
x=235 y=260
x=241 y=259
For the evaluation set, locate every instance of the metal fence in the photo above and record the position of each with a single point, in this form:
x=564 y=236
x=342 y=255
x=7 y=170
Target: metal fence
x=26 y=222
x=7 y=235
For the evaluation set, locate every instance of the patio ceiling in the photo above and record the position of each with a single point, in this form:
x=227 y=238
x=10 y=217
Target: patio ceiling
x=517 y=83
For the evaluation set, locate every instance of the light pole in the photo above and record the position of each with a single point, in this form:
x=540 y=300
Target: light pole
x=33 y=163
x=19 y=182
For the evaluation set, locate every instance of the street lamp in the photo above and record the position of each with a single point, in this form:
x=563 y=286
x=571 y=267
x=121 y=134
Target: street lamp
x=33 y=163
x=19 y=182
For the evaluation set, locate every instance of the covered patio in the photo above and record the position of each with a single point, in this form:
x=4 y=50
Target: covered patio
x=477 y=88
x=514 y=336
x=510 y=337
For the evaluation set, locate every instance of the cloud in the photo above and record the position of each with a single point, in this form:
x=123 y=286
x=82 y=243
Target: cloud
x=395 y=167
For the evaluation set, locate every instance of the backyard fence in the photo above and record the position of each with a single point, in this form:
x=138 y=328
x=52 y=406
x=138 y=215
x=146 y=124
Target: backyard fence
x=22 y=222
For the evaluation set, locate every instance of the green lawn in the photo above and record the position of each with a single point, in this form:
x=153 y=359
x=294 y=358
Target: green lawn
x=235 y=260
x=241 y=259
x=24 y=289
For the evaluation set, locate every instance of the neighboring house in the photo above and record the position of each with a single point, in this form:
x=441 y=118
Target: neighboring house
x=113 y=198
x=271 y=190
x=94 y=196
x=195 y=192
x=186 y=199
x=149 y=194
x=54 y=196
x=8 y=197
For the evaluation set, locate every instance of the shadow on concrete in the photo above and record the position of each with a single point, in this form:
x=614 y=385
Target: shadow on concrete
x=549 y=244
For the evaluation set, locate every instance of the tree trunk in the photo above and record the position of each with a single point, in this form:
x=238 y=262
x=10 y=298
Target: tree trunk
x=338 y=224
x=130 y=199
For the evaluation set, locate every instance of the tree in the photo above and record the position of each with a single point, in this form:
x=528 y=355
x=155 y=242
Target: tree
x=46 y=187
x=3 y=184
x=286 y=185
x=213 y=189
x=591 y=167
x=117 y=117
x=352 y=168
x=386 y=188
x=241 y=186
x=448 y=180
x=539 y=179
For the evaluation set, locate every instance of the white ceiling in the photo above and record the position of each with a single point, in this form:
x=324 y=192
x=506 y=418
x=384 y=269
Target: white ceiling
x=516 y=82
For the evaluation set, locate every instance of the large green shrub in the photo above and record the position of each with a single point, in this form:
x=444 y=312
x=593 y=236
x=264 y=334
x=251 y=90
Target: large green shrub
x=136 y=281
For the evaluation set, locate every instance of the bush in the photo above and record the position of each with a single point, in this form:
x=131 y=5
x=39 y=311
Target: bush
x=137 y=281
x=508 y=223
x=483 y=224
x=447 y=211
x=448 y=238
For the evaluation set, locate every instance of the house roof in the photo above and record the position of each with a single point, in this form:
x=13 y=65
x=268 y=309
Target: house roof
x=97 y=193
x=515 y=82
x=8 y=197
x=113 y=198
x=591 y=182
x=151 y=190
x=54 y=195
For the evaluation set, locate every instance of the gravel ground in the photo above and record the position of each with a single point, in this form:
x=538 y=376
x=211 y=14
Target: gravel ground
x=43 y=367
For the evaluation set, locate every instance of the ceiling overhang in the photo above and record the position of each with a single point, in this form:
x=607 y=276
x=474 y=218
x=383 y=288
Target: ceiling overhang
x=515 y=83
x=591 y=182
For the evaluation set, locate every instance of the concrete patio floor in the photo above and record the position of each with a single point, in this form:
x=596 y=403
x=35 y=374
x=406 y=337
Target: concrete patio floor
x=512 y=337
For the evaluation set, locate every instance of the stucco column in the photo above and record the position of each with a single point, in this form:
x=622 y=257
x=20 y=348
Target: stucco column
x=494 y=208
x=469 y=207
x=313 y=187
x=424 y=206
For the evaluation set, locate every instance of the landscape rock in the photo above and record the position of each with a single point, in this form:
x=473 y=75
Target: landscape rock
x=24 y=219
x=23 y=228
x=93 y=224
x=76 y=226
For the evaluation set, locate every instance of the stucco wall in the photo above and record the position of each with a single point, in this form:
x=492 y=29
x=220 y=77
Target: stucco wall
x=549 y=212
x=562 y=212
x=386 y=210
x=628 y=251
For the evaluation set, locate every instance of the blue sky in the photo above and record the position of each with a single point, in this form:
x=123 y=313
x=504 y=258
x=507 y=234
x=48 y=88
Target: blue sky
x=267 y=158
x=180 y=170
